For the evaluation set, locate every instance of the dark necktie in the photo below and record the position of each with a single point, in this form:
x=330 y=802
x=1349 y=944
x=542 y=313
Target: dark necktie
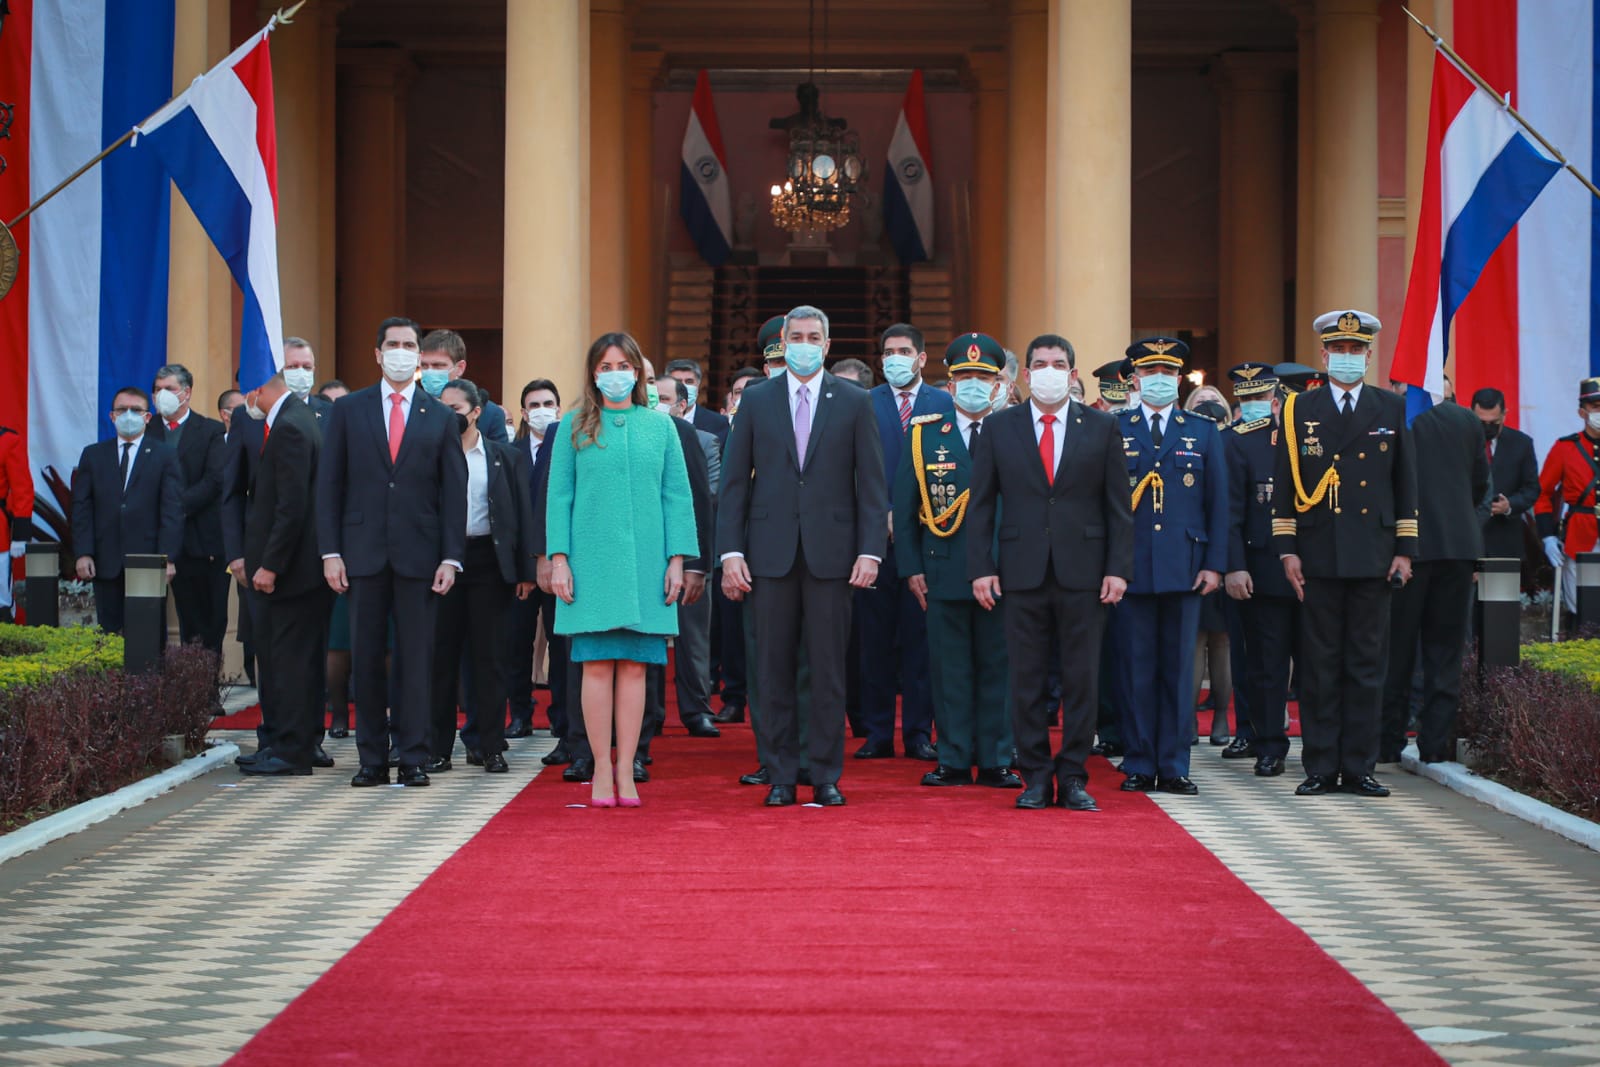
x=1155 y=430
x=127 y=446
x=1345 y=410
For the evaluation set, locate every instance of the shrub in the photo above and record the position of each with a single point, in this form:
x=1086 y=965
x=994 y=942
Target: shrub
x=31 y=654
x=1577 y=659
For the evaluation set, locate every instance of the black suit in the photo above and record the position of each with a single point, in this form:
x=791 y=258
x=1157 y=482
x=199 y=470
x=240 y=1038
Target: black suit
x=801 y=527
x=526 y=614
x=712 y=422
x=1515 y=473
x=1435 y=605
x=292 y=620
x=1058 y=541
x=200 y=584
x=110 y=522
x=394 y=521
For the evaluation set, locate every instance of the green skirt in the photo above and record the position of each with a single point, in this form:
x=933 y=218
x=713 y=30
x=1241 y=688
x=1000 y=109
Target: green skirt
x=618 y=644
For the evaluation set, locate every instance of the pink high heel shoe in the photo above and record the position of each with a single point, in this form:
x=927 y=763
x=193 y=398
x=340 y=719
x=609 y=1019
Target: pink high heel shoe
x=605 y=802
x=622 y=801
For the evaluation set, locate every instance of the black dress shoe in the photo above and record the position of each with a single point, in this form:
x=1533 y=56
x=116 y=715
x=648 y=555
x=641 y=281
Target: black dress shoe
x=1179 y=785
x=519 y=729
x=558 y=756
x=827 y=795
x=1138 y=783
x=780 y=796
x=580 y=770
x=999 y=778
x=274 y=767
x=244 y=759
x=474 y=757
x=1269 y=767
x=729 y=713
x=922 y=751
x=1109 y=749
x=338 y=731
x=319 y=758
x=1238 y=748
x=702 y=726
x=1365 y=786
x=1315 y=785
x=495 y=764
x=1074 y=797
x=761 y=776
x=875 y=750
x=1218 y=740
x=371 y=776
x=943 y=775
x=641 y=773
x=438 y=765
x=1035 y=797
x=413 y=776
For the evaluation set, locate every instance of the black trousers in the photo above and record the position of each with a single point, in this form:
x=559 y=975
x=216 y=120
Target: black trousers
x=1345 y=651
x=200 y=593
x=415 y=606
x=525 y=616
x=1436 y=606
x=473 y=625
x=1269 y=624
x=796 y=608
x=727 y=641
x=292 y=649
x=1079 y=619
x=893 y=660
x=108 y=606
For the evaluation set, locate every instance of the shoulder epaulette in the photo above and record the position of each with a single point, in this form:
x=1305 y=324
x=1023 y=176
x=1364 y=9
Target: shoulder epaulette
x=5 y=430
x=1570 y=437
x=1198 y=415
x=1253 y=424
x=920 y=419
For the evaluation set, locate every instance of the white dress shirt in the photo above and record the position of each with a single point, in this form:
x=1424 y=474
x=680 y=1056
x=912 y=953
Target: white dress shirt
x=813 y=389
x=1166 y=414
x=913 y=389
x=477 y=490
x=1339 y=392
x=405 y=406
x=272 y=413
x=1059 y=426
x=964 y=423
x=133 y=455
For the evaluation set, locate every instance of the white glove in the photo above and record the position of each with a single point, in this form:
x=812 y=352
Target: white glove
x=19 y=549
x=1555 y=553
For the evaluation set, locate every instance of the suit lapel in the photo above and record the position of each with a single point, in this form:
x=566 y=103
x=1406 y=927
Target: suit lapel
x=419 y=409
x=1070 y=423
x=146 y=456
x=820 y=408
x=378 y=419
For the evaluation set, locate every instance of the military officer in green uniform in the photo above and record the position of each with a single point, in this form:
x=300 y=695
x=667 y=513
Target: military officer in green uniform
x=1116 y=387
x=1113 y=379
x=966 y=645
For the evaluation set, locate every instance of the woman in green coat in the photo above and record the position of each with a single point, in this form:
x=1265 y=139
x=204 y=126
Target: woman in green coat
x=620 y=522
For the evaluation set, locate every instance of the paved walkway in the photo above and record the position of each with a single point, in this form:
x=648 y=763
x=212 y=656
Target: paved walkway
x=172 y=933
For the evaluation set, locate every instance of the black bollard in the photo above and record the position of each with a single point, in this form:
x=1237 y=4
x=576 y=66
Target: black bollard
x=1588 y=590
x=42 y=584
x=144 y=630
x=1499 y=608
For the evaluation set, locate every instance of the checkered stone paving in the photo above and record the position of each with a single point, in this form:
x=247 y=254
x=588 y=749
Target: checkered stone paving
x=179 y=939
x=1481 y=931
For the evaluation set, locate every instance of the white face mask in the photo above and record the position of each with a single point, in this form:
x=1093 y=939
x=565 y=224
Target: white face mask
x=167 y=403
x=1049 y=385
x=299 y=380
x=1593 y=419
x=541 y=419
x=399 y=364
x=664 y=407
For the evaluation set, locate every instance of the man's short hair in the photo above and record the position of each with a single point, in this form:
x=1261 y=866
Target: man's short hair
x=901 y=329
x=295 y=342
x=536 y=384
x=447 y=341
x=331 y=383
x=858 y=369
x=688 y=365
x=806 y=311
x=225 y=394
x=1051 y=340
x=178 y=371
x=396 y=320
x=667 y=383
x=746 y=372
x=131 y=390
x=1488 y=397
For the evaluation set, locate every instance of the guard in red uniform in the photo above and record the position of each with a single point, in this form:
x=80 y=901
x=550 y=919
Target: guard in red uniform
x=1565 y=509
x=16 y=508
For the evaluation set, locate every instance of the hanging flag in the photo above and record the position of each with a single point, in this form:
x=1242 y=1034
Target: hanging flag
x=218 y=140
x=908 y=180
x=1482 y=174
x=703 y=196
x=88 y=312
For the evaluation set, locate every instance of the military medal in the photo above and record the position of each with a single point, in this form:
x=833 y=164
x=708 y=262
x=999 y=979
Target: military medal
x=1188 y=480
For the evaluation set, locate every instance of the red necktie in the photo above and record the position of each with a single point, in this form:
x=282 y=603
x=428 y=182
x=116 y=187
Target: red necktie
x=397 y=425
x=905 y=410
x=1047 y=448
x=1488 y=452
x=172 y=425
x=266 y=432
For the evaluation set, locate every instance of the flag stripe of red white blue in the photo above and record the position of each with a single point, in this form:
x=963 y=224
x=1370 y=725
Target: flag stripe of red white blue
x=908 y=206
x=704 y=198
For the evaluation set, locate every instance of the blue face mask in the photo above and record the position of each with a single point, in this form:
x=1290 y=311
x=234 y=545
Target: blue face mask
x=691 y=393
x=129 y=423
x=973 y=395
x=900 y=371
x=803 y=360
x=434 y=381
x=1251 y=410
x=1346 y=368
x=616 y=385
x=1159 y=390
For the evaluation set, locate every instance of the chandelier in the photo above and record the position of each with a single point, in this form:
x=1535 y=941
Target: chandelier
x=825 y=166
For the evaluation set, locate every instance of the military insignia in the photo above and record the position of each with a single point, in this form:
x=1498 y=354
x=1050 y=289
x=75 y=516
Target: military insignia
x=1132 y=482
x=1188 y=442
x=1249 y=373
x=946 y=429
x=1126 y=441
x=974 y=354
x=1161 y=348
x=1349 y=322
x=1135 y=418
x=1274 y=437
x=943 y=451
x=1178 y=419
x=1188 y=480
x=1383 y=446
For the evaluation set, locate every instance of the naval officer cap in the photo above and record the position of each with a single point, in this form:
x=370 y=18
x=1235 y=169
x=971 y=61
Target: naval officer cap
x=1113 y=378
x=1297 y=377
x=1253 y=379
x=975 y=351
x=770 y=339
x=1158 y=352
x=1349 y=325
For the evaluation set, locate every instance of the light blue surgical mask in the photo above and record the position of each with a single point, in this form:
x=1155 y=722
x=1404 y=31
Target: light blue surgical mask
x=616 y=385
x=434 y=381
x=900 y=371
x=129 y=423
x=691 y=393
x=1159 y=390
x=974 y=395
x=1346 y=368
x=1251 y=410
x=803 y=360
x=651 y=396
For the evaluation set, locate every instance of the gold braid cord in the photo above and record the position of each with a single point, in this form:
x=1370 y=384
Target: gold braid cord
x=1158 y=491
x=1328 y=487
x=952 y=515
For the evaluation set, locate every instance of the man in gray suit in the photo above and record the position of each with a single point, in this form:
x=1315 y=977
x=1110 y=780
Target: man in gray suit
x=803 y=520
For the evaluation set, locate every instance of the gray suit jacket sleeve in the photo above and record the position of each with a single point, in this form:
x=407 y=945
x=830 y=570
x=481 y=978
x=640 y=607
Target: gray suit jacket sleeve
x=872 y=488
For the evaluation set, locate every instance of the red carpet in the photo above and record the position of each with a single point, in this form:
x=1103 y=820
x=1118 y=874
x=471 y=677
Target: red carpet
x=913 y=926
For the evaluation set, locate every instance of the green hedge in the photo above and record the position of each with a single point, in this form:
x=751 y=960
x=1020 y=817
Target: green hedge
x=1575 y=659
x=31 y=654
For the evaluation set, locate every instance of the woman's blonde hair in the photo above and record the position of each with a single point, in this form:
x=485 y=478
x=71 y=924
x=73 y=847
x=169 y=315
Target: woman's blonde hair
x=586 y=426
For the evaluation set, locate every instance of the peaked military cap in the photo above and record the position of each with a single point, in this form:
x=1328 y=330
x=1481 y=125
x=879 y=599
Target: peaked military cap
x=975 y=351
x=1113 y=379
x=1252 y=379
x=1297 y=377
x=1347 y=326
x=1158 y=352
x=1588 y=389
x=770 y=339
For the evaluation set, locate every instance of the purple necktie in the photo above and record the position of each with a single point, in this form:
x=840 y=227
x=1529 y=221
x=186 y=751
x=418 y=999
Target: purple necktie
x=802 y=423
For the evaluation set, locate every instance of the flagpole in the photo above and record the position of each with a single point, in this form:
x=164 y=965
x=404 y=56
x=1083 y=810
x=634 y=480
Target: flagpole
x=281 y=18
x=1505 y=101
